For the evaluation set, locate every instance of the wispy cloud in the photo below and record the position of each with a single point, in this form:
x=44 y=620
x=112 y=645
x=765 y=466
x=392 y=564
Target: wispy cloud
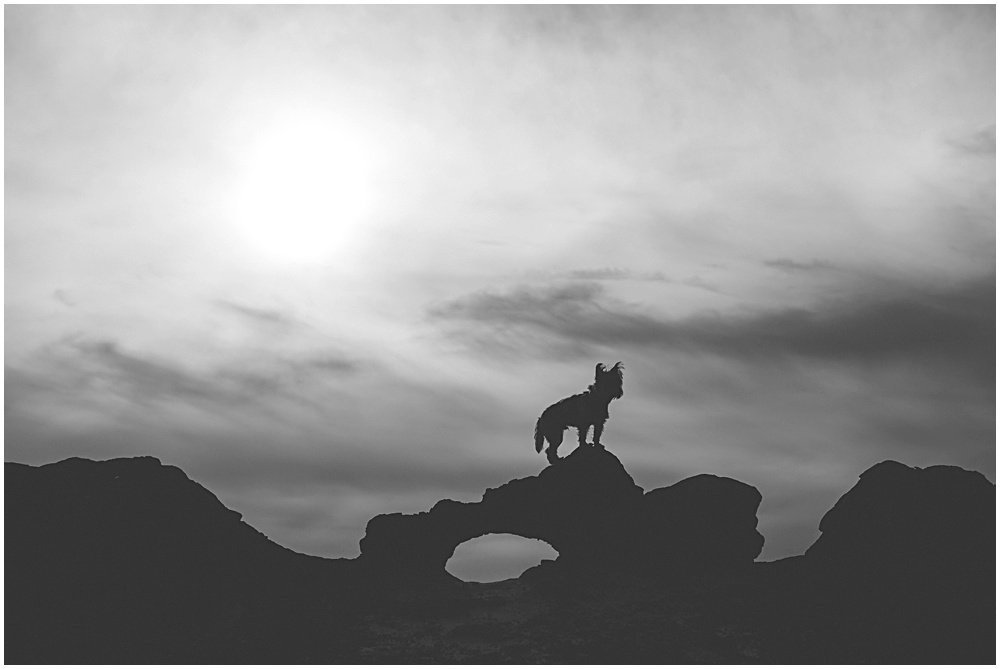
x=256 y=314
x=140 y=377
x=955 y=324
x=980 y=143
x=64 y=298
x=95 y=370
x=790 y=266
x=615 y=274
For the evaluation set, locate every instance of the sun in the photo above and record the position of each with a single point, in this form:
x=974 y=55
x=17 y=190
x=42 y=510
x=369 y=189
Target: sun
x=304 y=189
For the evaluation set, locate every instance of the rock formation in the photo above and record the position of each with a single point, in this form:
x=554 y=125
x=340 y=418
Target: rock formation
x=911 y=552
x=105 y=562
x=910 y=522
x=704 y=521
x=589 y=509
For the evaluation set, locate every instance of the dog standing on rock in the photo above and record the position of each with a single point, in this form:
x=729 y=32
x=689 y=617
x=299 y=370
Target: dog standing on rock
x=580 y=411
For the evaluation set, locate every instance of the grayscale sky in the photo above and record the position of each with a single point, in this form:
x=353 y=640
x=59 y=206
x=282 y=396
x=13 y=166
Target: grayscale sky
x=333 y=261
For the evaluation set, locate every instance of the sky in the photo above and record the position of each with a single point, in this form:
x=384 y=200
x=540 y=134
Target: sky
x=334 y=261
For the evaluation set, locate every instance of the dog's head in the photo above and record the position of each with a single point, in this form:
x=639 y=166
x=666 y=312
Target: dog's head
x=609 y=381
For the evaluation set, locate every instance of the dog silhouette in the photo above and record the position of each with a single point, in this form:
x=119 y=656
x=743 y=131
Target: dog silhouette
x=580 y=411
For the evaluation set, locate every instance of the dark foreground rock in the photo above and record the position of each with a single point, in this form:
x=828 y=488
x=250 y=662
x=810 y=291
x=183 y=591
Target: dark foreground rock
x=912 y=552
x=129 y=561
x=905 y=523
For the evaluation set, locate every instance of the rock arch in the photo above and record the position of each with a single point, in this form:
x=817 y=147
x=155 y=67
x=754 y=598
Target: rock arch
x=560 y=506
x=589 y=510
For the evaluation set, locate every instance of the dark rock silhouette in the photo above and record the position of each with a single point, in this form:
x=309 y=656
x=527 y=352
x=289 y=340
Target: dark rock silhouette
x=912 y=551
x=129 y=561
x=910 y=522
x=572 y=505
x=109 y=561
x=589 y=509
x=702 y=522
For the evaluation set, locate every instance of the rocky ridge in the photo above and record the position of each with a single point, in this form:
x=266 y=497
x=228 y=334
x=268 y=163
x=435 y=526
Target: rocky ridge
x=129 y=561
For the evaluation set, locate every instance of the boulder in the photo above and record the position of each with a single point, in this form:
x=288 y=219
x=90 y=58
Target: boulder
x=702 y=521
x=905 y=567
x=910 y=522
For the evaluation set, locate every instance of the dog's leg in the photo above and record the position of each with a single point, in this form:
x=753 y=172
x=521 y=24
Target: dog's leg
x=581 y=433
x=598 y=429
x=555 y=439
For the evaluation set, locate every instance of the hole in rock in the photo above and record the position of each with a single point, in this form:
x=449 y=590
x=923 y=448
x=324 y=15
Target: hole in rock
x=497 y=557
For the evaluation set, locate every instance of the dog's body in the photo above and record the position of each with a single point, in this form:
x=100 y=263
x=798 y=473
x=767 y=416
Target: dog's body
x=580 y=411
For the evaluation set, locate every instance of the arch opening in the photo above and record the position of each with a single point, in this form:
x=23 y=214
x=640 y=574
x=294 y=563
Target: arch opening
x=497 y=557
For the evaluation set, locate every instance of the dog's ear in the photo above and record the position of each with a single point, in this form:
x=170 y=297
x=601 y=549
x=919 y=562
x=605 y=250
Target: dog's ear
x=598 y=370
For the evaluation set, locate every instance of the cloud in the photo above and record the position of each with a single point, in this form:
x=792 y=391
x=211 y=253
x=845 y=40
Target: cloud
x=790 y=266
x=263 y=316
x=525 y=321
x=294 y=412
x=615 y=274
x=143 y=377
x=544 y=308
x=980 y=143
x=64 y=298
x=98 y=371
x=952 y=324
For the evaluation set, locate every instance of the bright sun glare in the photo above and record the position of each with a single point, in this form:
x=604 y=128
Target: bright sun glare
x=304 y=190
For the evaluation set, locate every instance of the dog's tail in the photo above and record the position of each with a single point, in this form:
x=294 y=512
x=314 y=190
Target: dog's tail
x=539 y=437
